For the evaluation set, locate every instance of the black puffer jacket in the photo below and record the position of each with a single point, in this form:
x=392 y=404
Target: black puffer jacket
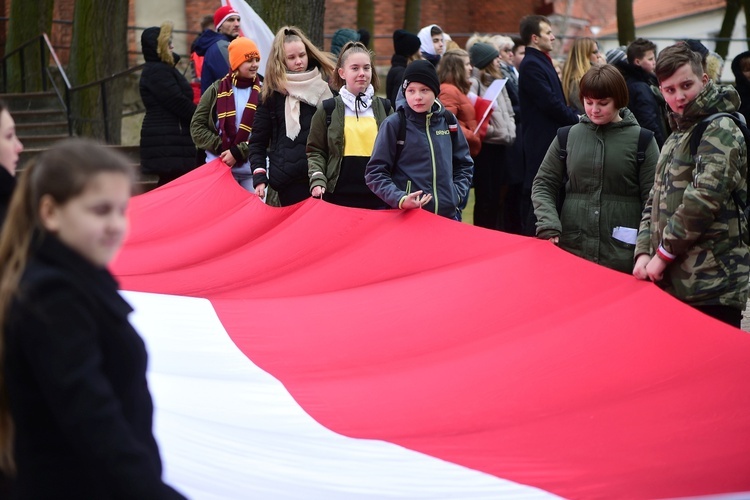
x=395 y=76
x=742 y=84
x=646 y=101
x=166 y=145
x=287 y=158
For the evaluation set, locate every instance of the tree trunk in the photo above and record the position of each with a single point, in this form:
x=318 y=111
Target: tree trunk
x=366 y=16
x=28 y=20
x=727 y=26
x=625 y=22
x=97 y=51
x=307 y=16
x=413 y=16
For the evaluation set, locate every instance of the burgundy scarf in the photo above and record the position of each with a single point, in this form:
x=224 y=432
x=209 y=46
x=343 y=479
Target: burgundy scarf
x=227 y=114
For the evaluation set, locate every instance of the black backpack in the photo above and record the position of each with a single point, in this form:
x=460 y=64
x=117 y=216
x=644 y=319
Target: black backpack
x=695 y=139
x=330 y=104
x=644 y=139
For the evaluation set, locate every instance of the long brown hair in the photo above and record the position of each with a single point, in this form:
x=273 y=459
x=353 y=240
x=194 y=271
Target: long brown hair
x=275 y=77
x=451 y=69
x=62 y=172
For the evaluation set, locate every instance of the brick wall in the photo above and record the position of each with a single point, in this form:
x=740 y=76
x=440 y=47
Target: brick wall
x=459 y=19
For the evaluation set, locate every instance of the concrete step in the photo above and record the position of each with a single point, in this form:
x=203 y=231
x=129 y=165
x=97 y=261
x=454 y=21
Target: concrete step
x=31 y=100
x=42 y=141
x=34 y=116
x=30 y=130
x=143 y=184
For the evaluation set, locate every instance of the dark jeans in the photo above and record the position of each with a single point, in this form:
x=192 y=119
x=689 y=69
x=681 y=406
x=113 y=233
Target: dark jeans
x=488 y=181
x=727 y=314
x=528 y=219
x=294 y=193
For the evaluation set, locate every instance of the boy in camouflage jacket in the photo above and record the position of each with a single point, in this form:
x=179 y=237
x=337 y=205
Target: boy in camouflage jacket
x=691 y=241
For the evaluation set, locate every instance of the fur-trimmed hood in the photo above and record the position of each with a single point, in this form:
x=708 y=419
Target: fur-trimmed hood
x=155 y=44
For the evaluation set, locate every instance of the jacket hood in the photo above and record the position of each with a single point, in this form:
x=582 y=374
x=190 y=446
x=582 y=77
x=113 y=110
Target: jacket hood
x=628 y=120
x=205 y=40
x=740 y=79
x=425 y=39
x=155 y=44
x=712 y=99
x=634 y=71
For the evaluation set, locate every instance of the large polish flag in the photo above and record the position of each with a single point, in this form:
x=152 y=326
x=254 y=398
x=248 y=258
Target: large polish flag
x=316 y=351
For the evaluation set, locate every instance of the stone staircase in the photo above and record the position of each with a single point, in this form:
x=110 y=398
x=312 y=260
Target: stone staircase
x=41 y=121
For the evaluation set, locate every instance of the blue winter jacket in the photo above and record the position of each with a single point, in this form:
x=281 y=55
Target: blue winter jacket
x=216 y=61
x=434 y=160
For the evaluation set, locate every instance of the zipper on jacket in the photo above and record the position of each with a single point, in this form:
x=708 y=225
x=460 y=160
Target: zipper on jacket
x=408 y=187
x=432 y=157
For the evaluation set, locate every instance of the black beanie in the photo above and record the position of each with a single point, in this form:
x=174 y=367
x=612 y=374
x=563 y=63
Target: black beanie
x=423 y=72
x=697 y=46
x=405 y=43
x=364 y=36
x=482 y=54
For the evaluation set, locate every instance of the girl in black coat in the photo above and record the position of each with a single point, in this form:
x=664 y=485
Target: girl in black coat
x=167 y=148
x=10 y=148
x=293 y=88
x=75 y=409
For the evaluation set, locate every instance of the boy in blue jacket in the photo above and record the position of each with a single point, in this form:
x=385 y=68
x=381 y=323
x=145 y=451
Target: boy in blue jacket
x=433 y=168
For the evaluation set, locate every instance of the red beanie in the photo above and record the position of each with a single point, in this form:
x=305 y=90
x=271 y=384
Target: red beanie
x=222 y=13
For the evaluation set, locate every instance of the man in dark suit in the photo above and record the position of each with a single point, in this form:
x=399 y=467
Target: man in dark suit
x=543 y=108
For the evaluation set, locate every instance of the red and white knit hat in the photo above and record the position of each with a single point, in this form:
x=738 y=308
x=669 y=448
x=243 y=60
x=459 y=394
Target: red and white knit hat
x=222 y=13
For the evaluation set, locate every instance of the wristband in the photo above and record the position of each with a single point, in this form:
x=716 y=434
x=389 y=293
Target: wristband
x=664 y=255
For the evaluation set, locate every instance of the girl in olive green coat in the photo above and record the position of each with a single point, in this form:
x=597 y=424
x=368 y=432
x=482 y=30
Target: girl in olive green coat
x=606 y=188
x=340 y=145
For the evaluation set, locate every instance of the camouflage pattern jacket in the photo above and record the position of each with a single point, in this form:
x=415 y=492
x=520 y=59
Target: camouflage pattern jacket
x=690 y=212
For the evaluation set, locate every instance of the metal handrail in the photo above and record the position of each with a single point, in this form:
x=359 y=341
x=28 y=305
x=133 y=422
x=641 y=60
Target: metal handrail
x=108 y=78
x=63 y=95
x=57 y=60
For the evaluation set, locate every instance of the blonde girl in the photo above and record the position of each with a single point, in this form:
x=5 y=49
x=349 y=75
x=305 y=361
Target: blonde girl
x=75 y=409
x=10 y=150
x=294 y=86
x=583 y=55
x=337 y=153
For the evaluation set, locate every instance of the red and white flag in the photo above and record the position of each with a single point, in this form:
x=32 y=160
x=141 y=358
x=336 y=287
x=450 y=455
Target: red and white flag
x=316 y=351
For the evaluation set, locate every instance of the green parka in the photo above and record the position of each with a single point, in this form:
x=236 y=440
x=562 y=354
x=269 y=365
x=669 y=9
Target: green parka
x=325 y=145
x=203 y=125
x=691 y=213
x=606 y=189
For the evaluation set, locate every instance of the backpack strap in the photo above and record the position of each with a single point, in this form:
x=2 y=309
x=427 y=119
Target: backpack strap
x=401 y=136
x=562 y=139
x=700 y=128
x=450 y=118
x=329 y=105
x=644 y=139
x=386 y=105
x=695 y=140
